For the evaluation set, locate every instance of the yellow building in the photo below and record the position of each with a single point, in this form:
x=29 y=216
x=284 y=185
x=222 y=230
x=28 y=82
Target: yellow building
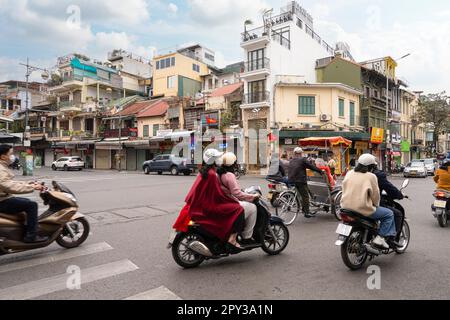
x=153 y=119
x=178 y=74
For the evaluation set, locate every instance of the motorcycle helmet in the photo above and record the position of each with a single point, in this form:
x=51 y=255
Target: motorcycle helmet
x=227 y=160
x=212 y=156
x=445 y=163
x=298 y=150
x=367 y=160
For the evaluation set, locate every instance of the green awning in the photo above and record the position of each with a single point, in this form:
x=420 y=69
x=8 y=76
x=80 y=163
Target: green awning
x=301 y=134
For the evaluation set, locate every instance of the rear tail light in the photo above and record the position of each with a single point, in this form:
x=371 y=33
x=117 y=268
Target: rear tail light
x=346 y=218
x=439 y=194
x=272 y=186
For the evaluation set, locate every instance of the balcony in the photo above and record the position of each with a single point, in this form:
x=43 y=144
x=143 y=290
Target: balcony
x=37 y=131
x=256 y=99
x=254 y=68
x=254 y=38
x=66 y=106
x=122 y=133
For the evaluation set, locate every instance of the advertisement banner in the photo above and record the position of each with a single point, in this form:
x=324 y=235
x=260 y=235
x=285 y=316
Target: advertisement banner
x=377 y=136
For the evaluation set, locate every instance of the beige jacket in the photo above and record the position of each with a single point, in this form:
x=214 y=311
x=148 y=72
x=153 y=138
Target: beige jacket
x=9 y=187
x=360 y=193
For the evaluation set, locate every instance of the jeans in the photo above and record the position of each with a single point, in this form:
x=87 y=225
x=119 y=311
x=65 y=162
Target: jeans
x=386 y=217
x=303 y=196
x=18 y=205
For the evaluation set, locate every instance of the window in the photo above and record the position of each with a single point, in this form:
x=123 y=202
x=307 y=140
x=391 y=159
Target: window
x=171 y=82
x=166 y=158
x=341 y=108
x=195 y=67
x=209 y=56
x=155 y=129
x=352 y=113
x=375 y=93
x=307 y=105
x=256 y=59
x=146 y=128
x=168 y=63
x=299 y=23
x=172 y=61
x=163 y=64
x=367 y=92
x=157 y=65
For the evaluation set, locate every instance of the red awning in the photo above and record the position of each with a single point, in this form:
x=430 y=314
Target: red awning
x=322 y=142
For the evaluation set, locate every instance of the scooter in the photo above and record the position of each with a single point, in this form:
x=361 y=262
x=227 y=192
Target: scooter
x=61 y=223
x=441 y=207
x=192 y=248
x=356 y=233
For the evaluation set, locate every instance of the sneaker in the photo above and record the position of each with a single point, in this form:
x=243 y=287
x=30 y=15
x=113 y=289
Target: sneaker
x=309 y=215
x=380 y=242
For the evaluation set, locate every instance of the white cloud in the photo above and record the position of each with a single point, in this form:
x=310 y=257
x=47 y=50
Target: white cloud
x=173 y=8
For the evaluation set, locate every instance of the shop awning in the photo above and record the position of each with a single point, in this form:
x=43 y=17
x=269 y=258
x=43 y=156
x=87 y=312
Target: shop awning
x=137 y=143
x=321 y=142
x=301 y=134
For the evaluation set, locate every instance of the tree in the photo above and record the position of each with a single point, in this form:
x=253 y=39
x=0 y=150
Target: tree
x=434 y=109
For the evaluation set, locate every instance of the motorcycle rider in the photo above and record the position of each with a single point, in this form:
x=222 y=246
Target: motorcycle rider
x=231 y=188
x=15 y=205
x=442 y=177
x=360 y=193
x=393 y=193
x=298 y=176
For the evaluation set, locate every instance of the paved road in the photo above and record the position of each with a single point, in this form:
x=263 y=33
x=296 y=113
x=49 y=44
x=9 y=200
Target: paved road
x=125 y=256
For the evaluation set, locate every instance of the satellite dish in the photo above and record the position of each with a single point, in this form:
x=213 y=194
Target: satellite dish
x=45 y=75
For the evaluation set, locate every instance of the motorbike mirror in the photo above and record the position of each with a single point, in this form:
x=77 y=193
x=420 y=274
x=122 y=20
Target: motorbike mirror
x=405 y=184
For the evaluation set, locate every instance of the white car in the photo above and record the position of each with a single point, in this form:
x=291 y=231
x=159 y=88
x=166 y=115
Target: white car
x=68 y=163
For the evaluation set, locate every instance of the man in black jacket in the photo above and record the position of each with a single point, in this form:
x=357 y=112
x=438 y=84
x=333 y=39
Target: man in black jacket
x=393 y=193
x=298 y=176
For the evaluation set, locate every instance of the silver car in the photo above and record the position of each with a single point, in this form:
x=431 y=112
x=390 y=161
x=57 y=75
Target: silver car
x=430 y=164
x=415 y=169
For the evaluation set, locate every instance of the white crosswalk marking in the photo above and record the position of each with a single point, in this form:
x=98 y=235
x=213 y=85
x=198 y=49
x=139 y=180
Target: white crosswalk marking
x=161 y=293
x=7 y=265
x=46 y=286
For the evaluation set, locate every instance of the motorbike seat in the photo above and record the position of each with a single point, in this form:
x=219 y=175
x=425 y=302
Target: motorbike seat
x=358 y=216
x=18 y=217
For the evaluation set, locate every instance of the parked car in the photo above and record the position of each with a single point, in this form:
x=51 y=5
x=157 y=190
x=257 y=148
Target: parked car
x=416 y=169
x=168 y=163
x=68 y=163
x=430 y=164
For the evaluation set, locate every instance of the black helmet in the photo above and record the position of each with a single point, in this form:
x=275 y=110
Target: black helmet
x=445 y=163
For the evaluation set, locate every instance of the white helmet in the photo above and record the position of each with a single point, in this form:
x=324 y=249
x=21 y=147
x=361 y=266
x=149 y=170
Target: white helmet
x=212 y=156
x=227 y=160
x=298 y=150
x=367 y=160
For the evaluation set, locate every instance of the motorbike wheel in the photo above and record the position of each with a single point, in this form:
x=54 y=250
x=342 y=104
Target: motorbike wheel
x=274 y=201
x=443 y=219
x=336 y=207
x=81 y=230
x=182 y=255
x=405 y=238
x=353 y=252
x=288 y=207
x=274 y=246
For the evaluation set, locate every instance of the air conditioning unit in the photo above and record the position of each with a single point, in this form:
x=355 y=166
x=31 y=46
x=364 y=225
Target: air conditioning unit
x=325 y=117
x=307 y=125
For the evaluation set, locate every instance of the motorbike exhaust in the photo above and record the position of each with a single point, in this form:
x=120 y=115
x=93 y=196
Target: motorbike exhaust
x=371 y=250
x=200 y=248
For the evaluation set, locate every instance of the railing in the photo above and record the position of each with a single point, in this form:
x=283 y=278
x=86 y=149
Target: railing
x=257 y=64
x=68 y=104
x=282 y=18
x=257 y=97
x=328 y=47
x=37 y=130
x=293 y=79
x=116 y=133
x=73 y=77
x=323 y=62
x=281 y=40
x=253 y=34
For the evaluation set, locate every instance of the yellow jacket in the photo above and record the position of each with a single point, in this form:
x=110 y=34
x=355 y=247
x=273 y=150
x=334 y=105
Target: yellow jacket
x=442 y=178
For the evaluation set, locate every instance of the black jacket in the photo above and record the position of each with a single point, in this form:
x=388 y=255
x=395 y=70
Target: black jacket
x=297 y=170
x=385 y=185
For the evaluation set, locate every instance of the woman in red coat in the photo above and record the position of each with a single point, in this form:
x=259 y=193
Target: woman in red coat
x=209 y=206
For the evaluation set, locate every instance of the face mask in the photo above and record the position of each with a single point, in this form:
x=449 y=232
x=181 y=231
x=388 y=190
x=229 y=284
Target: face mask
x=12 y=159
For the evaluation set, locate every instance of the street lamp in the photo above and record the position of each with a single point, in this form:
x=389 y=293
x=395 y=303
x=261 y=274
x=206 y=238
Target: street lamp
x=387 y=69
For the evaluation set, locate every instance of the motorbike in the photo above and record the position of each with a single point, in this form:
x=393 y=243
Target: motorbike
x=356 y=233
x=276 y=187
x=240 y=171
x=323 y=197
x=441 y=207
x=192 y=248
x=61 y=222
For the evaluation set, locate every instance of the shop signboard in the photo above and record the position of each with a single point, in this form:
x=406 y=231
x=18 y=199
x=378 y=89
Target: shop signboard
x=377 y=136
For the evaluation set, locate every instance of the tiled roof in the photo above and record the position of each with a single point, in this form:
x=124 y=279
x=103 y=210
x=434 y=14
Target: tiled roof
x=135 y=108
x=226 y=90
x=158 y=109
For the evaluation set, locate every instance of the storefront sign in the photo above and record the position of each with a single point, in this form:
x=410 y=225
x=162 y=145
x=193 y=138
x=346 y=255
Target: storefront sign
x=288 y=142
x=361 y=145
x=377 y=136
x=405 y=146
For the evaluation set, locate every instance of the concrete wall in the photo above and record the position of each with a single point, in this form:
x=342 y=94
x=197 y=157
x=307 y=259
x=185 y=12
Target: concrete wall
x=150 y=122
x=341 y=71
x=326 y=102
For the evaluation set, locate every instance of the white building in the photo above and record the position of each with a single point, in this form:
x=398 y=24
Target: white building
x=285 y=45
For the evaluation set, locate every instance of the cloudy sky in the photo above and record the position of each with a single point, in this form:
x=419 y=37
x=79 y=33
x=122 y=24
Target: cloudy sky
x=46 y=29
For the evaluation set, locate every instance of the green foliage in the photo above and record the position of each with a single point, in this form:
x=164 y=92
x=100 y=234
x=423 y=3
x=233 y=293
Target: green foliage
x=435 y=109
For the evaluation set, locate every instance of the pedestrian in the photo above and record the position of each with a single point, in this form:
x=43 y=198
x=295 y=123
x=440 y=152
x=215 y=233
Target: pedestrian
x=298 y=176
x=332 y=165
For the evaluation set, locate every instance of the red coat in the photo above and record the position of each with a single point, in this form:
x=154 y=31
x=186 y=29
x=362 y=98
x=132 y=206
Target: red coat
x=207 y=205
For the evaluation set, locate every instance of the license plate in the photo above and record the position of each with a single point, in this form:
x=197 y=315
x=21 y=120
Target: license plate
x=440 y=204
x=270 y=196
x=413 y=173
x=344 y=230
